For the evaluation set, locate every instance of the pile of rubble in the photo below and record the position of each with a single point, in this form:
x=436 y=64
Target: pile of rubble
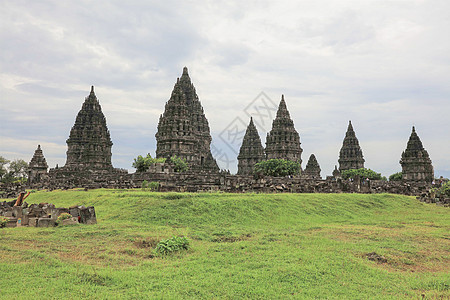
x=20 y=213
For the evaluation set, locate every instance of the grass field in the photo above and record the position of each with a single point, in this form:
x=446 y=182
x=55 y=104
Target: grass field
x=266 y=246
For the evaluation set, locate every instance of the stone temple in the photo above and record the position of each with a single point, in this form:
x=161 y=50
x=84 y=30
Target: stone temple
x=37 y=168
x=283 y=141
x=312 y=169
x=89 y=143
x=183 y=129
x=251 y=151
x=350 y=156
x=415 y=161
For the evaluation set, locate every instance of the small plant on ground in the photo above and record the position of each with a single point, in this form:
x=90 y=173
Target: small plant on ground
x=62 y=217
x=172 y=245
x=3 y=221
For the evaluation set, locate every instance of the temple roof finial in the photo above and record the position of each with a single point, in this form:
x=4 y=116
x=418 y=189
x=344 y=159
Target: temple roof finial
x=92 y=89
x=414 y=129
x=185 y=71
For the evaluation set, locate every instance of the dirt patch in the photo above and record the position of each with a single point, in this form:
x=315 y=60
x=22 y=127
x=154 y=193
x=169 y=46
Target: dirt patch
x=373 y=256
x=147 y=243
x=231 y=239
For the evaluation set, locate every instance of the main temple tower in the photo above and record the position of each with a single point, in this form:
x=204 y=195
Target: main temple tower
x=183 y=129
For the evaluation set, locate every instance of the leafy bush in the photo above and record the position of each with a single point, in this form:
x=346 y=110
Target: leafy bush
x=361 y=173
x=143 y=163
x=3 y=221
x=396 y=176
x=171 y=245
x=180 y=165
x=144 y=185
x=62 y=217
x=277 y=167
x=153 y=186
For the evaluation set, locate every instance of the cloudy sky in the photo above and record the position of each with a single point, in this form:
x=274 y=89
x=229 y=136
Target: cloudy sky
x=384 y=65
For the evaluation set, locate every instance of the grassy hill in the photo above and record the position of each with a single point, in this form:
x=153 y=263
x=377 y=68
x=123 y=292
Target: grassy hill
x=271 y=246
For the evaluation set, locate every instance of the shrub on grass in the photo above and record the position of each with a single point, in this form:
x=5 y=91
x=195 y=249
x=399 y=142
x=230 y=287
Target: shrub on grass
x=62 y=217
x=144 y=185
x=172 y=245
x=3 y=221
x=153 y=186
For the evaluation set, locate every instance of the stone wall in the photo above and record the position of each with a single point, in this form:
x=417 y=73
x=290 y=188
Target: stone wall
x=211 y=181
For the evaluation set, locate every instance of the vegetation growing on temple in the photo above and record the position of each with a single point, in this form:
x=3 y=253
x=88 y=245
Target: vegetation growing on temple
x=141 y=163
x=278 y=168
x=362 y=173
x=396 y=176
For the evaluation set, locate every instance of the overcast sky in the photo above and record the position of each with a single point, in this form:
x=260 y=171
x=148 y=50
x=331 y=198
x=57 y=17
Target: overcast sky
x=384 y=65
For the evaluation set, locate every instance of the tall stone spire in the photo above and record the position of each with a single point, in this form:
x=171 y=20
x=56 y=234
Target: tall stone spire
x=312 y=169
x=350 y=156
x=183 y=129
x=89 y=143
x=37 y=168
x=415 y=161
x=251 y=151
x=283 y=141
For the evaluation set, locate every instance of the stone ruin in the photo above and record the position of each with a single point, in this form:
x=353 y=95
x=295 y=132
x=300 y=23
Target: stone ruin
x=251 y=151
x=283 y=141
x=415 y=161
x=312 y=169
x=183 y=130
x=350 y=156
x=20 y=213
x=37 y=168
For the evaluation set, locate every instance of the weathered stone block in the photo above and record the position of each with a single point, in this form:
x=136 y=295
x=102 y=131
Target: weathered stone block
x=71 y=221
x=32 y=222
x=17 y=211
x=45 y=222
x=87 y=215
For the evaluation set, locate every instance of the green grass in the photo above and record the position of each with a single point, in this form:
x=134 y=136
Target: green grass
x=266 y=246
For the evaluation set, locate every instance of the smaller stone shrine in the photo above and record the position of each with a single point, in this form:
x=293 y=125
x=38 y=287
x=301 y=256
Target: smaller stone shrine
x=312 y=169
x=251 y=151
x=37 y=168
x=415 y=161
x=350 y=156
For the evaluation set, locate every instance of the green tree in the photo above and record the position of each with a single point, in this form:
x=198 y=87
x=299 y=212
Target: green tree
x=141 y=164
x=18 y=168
x=3 y=170
x=277 y=167
x=396 y=176
x=361 y=173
